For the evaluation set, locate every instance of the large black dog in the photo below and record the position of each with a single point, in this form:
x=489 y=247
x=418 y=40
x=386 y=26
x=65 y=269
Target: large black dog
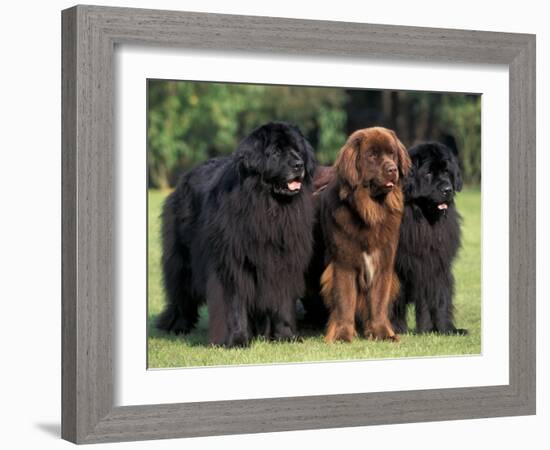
x=237 y=234
x=429 y=240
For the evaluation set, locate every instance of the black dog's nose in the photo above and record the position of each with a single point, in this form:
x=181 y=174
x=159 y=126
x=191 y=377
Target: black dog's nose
x=298 y=165
x=446 y=191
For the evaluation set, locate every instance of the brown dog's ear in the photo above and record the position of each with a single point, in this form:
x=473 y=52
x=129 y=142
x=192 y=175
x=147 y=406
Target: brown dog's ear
x=403 y=158
x=346 y=161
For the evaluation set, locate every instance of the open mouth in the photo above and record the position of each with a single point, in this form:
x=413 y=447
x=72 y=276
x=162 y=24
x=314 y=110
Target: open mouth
x=380 y=187
x=295 y=185
x=290 y=187
x=442 y=206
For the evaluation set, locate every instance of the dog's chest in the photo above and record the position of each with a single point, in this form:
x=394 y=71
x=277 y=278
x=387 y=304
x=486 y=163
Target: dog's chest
x=369 y=266
x=435 y=241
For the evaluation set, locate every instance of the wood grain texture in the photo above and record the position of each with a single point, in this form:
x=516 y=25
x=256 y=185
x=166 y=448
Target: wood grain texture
x=88 y=207
x=522 y=225
x=89 y=36
x=68 y=226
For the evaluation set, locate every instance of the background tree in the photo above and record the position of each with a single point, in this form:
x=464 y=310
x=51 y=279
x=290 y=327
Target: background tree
x=189 y=122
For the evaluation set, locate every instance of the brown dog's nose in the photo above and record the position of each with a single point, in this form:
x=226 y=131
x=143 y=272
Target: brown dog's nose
x=391 y=169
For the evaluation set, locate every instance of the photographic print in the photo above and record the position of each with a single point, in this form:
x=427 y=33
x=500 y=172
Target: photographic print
x=376 y=155
x=307 y=224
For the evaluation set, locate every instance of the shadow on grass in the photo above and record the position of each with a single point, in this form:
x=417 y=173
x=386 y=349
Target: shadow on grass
x=199 y=335
x=197 y=338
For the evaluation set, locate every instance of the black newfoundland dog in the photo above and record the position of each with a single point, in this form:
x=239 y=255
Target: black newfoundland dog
x=429 y=240
x=237 y=234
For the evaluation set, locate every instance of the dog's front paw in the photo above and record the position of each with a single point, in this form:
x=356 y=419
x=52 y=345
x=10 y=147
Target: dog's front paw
x=284 y=333
x=381 y=332
x=456 y=331
x=340 y=332
x=238 y=339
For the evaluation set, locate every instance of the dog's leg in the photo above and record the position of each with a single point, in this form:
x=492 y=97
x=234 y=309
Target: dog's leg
x=217 y=323
x=182 y=309
x=424 y=322
x=228 y=323
x=237 y=321
x=399 y=311
x=340 y=295
x=442 y=313
x=284 y=322
x=261 y=326
x=382 y=292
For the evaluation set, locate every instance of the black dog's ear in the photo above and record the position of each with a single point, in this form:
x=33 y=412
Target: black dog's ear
x=450 y=142
x=250 y=153
x=457 y=178
x=410 y=188
x=403 y=158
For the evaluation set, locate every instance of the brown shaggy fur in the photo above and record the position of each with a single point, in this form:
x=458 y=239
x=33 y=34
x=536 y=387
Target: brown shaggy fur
x=360 y=214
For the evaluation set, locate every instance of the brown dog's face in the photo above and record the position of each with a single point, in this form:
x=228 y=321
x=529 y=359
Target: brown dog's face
x=373 y=158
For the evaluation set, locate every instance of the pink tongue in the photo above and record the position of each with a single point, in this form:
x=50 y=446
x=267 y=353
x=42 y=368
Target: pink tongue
x=294 y=185
x=442 y=206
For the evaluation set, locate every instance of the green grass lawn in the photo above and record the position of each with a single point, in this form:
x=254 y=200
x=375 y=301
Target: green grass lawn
x=193 y=349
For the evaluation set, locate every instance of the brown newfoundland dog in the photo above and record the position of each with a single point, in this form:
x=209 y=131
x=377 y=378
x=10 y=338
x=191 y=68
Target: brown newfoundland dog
x=360 y=215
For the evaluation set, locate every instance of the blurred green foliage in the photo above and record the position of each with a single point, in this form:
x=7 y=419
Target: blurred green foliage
x=189 y=122
x=463 y=119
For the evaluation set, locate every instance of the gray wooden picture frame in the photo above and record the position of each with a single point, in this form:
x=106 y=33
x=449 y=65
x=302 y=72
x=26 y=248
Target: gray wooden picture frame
x=90 y=34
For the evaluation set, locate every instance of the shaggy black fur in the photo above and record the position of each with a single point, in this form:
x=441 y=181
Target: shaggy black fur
x=429 y=240
x=237 y=233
